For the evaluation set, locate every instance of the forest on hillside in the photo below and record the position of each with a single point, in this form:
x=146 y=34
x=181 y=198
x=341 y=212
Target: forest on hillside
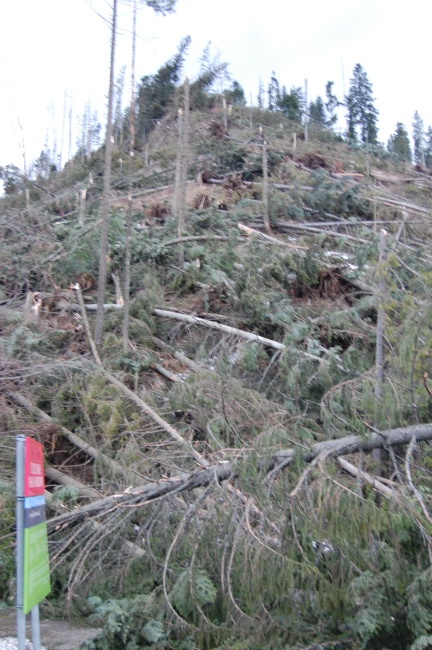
x=218 y=324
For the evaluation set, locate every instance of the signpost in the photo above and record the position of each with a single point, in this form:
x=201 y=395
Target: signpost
x=33 y=578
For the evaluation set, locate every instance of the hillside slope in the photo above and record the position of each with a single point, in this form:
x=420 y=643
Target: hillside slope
x=217 y=488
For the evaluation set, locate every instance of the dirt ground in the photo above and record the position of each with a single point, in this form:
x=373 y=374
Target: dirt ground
x=55 y=635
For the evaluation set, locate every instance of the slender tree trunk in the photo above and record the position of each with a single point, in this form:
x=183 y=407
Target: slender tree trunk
x=70 y=132
x=177 y=178
x=306 y=124
x=82 y=207
x=380 y=333
x=102 y=279
x=129 y=210
x=182 y=170
x=225 y=112
x=265 y=190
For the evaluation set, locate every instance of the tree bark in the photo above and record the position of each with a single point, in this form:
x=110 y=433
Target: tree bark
x=226 y=470
x=130 y=187
x=380 y=334
x=265 y=189
x=103 y=262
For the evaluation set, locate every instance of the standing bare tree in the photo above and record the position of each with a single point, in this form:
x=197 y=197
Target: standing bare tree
x=180 y=183
x=380 y=334
x=129 y=210
x=102 y=278
x=265 y=190
x=162 y=7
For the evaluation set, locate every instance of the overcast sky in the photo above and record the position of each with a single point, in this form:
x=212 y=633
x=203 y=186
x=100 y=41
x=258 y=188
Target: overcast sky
x=52 y=47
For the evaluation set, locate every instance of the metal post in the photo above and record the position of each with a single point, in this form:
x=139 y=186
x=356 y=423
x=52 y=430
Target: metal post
x=36 y=628
x=21 y=619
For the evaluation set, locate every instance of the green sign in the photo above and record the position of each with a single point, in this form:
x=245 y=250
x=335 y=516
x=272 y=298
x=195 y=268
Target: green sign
x=36 y=561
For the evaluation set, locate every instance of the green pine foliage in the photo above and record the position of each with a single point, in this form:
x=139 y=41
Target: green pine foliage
x=362 y=114
x=399 y=143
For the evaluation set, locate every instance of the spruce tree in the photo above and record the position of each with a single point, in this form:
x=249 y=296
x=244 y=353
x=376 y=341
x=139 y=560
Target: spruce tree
x=428 y=148
x=362 y=114
x=419 y=139
x=331 y=104
x=399 y=143
x=291 y=103
x=235 y=95
x=317 y=113
x=260 y=96
x=274 y=95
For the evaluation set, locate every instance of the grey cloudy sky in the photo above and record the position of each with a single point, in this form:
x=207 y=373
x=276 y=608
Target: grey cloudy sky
x=50 y=47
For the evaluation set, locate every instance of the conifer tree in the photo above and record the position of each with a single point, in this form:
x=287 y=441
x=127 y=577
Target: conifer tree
x=260 y=96
x=419 y=139
x=317 y=113
x=274 y=95
x=362 y=114
x=331 y=104
x=428 y=148
x=399 y=143
x=235 y=95
x=162 y=7
x=291 y=103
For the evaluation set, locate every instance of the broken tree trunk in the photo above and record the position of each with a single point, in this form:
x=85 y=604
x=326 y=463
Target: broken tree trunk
x=249 y=336
x=103 y=263
x=56 y=476
x=109 y=463
x=194 y=320
x=380 y=334
x=265 y=189
x=224 y=470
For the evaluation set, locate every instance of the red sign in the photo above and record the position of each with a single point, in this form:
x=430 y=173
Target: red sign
x=34 y=469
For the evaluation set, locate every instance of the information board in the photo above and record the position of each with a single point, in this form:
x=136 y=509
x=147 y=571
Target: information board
x=36 y=561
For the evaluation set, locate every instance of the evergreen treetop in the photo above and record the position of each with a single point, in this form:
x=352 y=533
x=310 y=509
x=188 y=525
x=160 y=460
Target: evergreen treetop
x=362 y=114
x=399 y=143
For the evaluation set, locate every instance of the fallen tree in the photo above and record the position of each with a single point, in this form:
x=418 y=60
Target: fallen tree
x=140 y=496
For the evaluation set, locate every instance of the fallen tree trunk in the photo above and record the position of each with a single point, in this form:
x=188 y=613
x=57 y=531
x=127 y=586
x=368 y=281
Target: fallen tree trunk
x=224 y=470
x=56 y=476
x=273 y=240
x=109 y=463
x=177 y=355
x=148 y=493
x=249 y=336
x=194 y=320
x=402 y=204
x=320 y=231
x=352 y=444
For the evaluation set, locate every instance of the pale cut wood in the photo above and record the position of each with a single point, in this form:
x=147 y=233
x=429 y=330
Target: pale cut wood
x=194 y=320
x=273 y=240
x=365 y=476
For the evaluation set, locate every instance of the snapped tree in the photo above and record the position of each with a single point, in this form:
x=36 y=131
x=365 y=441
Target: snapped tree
x=162 y=7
